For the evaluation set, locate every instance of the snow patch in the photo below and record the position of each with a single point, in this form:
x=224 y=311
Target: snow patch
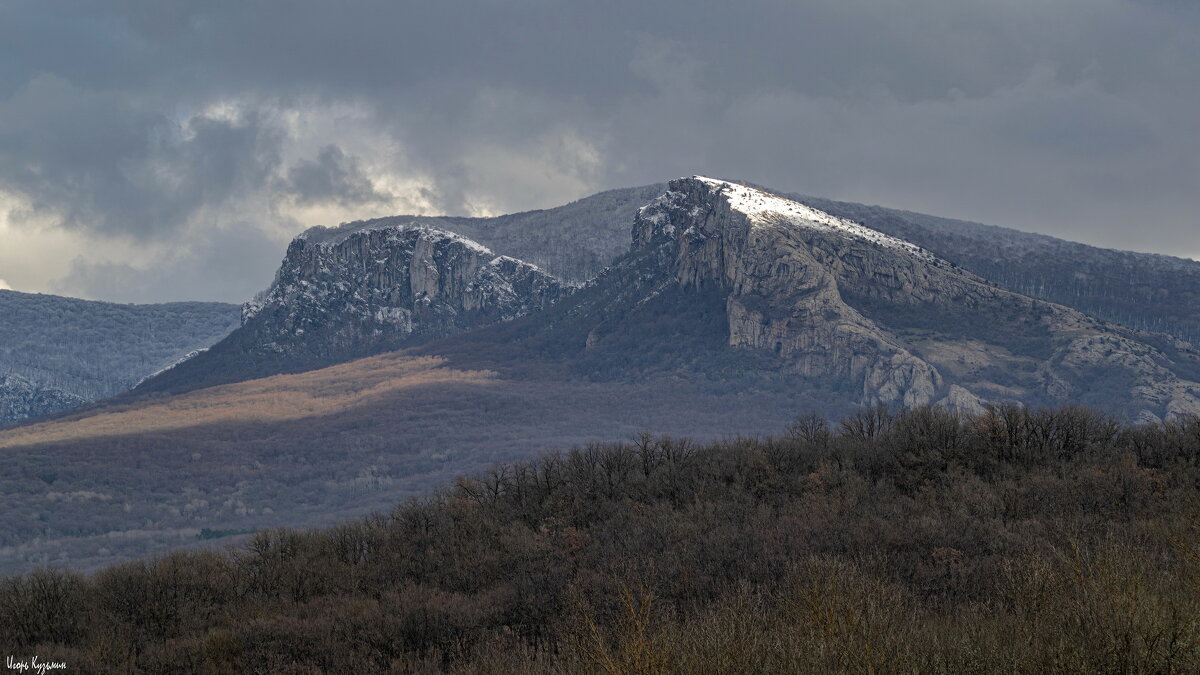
x=520 y=264
x=330 y=237
x=768 y=210
x=186 y=357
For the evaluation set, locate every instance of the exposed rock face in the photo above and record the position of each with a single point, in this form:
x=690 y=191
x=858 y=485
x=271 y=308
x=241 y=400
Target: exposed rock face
x=21 y=399
x=834 y=299
x=390 y=284
x=783 y=291
x=340 y=295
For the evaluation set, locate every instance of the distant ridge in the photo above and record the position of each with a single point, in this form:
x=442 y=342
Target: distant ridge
x=62 y=352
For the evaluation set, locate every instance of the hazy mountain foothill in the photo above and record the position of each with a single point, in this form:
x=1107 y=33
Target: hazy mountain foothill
x=610 y=421
x=57 y=353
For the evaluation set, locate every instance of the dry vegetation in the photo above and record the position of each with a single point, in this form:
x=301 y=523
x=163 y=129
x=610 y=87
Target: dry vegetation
x=272 y=399
x=1015 y=542
x=310 y=449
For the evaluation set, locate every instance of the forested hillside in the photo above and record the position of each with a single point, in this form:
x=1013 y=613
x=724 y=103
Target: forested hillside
x=82 y=349
x=21 y=399
x=1015 y=541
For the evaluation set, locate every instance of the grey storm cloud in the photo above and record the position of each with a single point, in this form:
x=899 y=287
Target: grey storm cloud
x=163 y=120
x=216 y=264
x=102 y=163
x=332 y=176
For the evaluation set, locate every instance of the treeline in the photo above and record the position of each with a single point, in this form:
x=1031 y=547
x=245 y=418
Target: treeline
x=921 y=541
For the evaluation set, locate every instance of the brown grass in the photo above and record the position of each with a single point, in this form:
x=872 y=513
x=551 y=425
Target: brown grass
x=272 y=399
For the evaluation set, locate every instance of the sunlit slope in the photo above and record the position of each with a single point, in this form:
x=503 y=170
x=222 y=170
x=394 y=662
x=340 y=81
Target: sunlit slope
x=136 y=478
x=271 y=399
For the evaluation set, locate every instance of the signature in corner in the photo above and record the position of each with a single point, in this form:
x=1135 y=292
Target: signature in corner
x=34 y=665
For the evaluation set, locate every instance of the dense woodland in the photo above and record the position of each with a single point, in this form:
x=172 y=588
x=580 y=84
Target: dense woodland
x=916 y=542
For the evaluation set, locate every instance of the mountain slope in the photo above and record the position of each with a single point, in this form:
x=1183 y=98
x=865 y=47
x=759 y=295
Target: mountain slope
x=1139 y=290
x=75 y=351
x=138 y=477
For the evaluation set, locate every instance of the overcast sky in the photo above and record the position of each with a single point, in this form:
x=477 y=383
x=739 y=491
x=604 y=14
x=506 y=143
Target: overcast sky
x=158 y=150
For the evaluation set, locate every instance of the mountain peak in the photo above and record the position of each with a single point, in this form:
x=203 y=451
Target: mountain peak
x=763 y=209
x=837 y=301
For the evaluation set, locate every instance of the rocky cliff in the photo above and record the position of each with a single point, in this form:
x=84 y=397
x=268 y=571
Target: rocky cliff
x=833 y=299
x=390 y=284
x=346 y=293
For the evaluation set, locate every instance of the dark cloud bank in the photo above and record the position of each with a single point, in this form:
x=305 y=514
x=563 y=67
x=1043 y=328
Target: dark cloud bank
x=206 y=133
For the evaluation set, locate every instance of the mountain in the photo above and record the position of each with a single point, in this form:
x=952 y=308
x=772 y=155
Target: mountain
x=349 y=292
x=750 y=282
x=732 y=310
x=798 y=294
x=572 y=242
x=356 y=290
x=1138 y=290
x=57 y=353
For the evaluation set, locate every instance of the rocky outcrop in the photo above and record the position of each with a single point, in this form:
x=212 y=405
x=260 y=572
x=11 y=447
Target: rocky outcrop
x=391 y=284
x=783 y=293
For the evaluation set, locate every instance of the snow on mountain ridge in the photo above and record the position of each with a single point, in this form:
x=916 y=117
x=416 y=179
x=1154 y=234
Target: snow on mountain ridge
x=331 y=236
x=765 y=210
